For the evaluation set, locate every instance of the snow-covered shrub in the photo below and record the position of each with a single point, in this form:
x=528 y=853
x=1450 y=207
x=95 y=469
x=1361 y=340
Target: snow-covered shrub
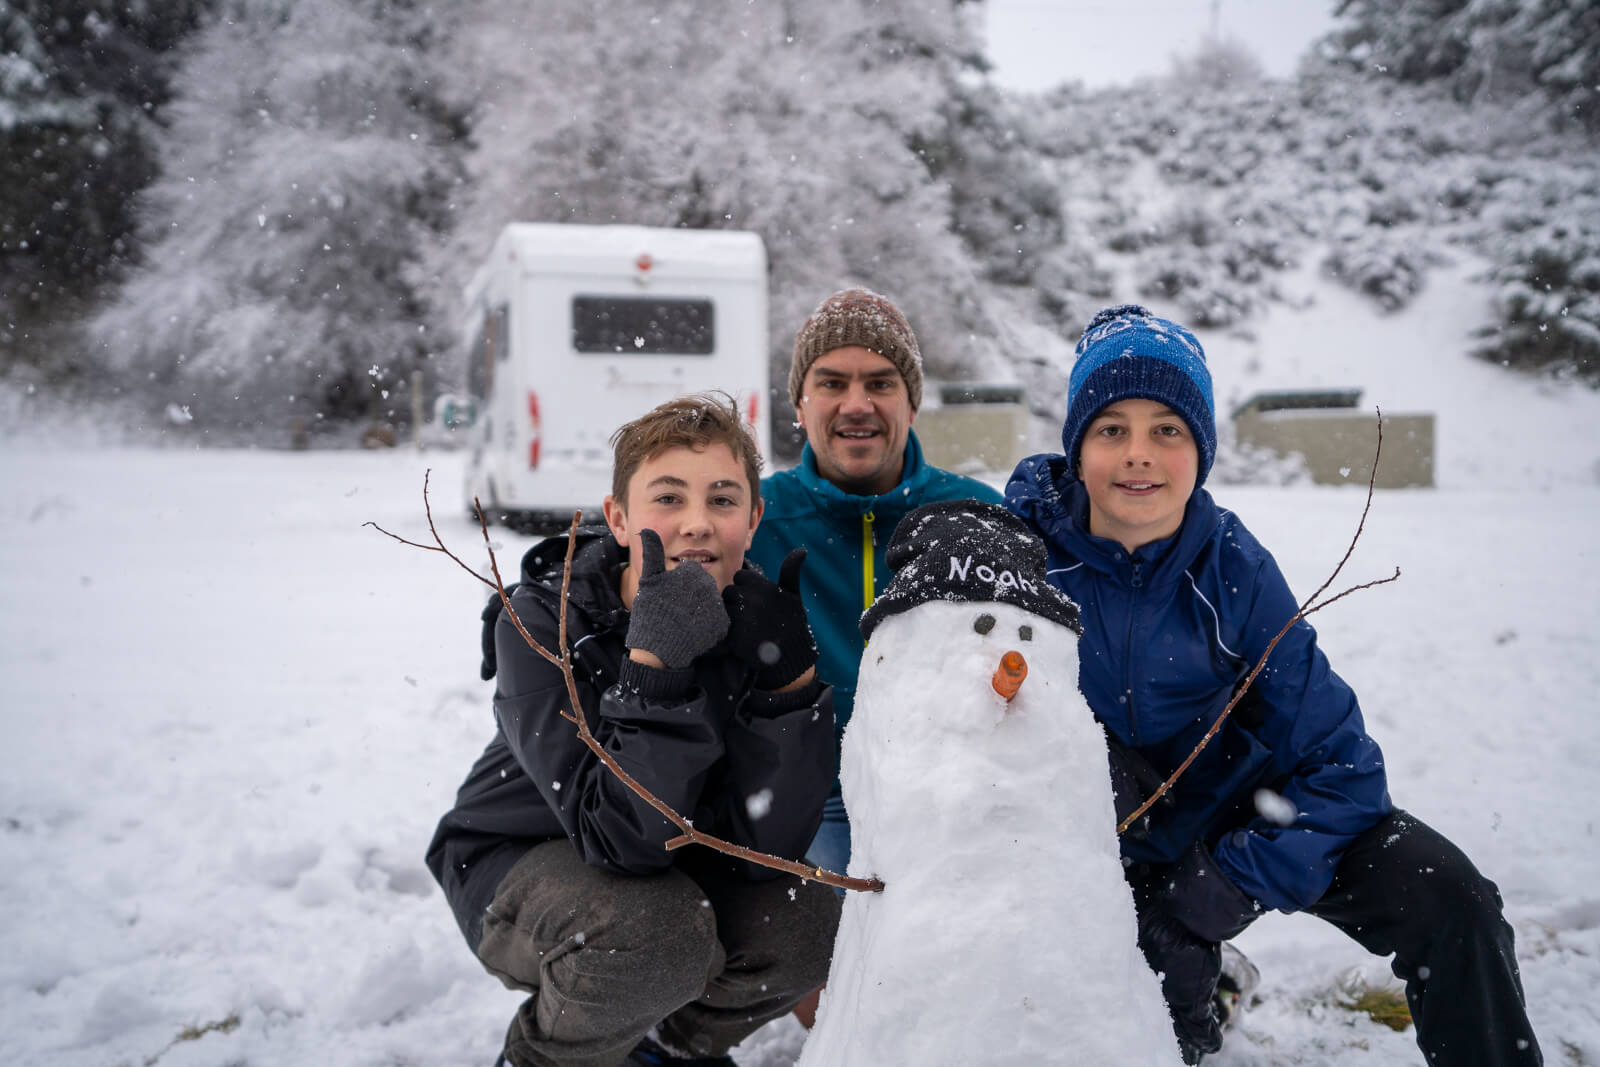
x=1547 y=297
x=1393 y=208
x=1220 y=268
x=1223 y=143
x=1543 y=236
x=1193 y=284
x=1246 y=463
x=1387 y=266
x=1006 y=205
x=1461 y=196
x=1070 y=286
x=1125 y=231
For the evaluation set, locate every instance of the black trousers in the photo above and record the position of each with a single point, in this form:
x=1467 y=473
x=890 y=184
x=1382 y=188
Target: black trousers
x=1403 y=888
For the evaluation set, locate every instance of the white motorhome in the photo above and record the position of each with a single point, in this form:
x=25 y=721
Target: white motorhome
x=574 y=330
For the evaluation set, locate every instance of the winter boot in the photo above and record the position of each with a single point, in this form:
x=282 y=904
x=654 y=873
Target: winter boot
x=1236 y=986
x=648 y=1053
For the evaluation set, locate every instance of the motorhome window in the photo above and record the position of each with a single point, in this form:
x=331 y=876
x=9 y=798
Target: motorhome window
x=643 y=325
x=500 y=332
x=488 y=344
x=478 y=366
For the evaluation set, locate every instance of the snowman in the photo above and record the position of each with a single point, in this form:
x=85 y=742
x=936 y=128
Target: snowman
x=977 y=784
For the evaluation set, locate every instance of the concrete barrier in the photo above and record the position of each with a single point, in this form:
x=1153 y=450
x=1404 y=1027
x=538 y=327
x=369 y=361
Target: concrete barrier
x=976 y=427
x=1337 y=440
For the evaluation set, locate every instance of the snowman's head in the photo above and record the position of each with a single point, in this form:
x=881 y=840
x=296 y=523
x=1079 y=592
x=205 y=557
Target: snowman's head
x=1001 y=646
x=968 y=552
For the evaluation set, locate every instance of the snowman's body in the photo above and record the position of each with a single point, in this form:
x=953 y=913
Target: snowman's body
x=1005 y=933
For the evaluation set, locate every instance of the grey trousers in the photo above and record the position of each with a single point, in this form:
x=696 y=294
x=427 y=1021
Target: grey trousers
x=705 y=954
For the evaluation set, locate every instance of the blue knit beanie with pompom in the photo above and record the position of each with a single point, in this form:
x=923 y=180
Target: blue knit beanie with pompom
x=1127 y=352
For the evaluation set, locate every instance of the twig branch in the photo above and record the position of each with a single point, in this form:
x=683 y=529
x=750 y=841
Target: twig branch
x=1310 y=607
x=1372 y=481
x=690 y=834
x=438 y=542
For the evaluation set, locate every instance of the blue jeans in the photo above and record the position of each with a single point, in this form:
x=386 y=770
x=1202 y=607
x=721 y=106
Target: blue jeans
x=830 y=849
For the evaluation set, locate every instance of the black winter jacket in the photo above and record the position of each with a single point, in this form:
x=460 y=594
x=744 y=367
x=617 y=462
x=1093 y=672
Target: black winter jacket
x=746 y=765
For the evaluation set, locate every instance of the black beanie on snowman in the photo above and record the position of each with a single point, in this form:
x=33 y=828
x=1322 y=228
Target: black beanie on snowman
x=968 y=551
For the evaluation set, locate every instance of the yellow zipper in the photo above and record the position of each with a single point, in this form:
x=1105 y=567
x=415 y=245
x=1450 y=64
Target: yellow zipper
x=868 y=593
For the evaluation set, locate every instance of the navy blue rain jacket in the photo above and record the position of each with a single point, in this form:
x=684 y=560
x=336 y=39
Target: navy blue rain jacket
x=1169 y=632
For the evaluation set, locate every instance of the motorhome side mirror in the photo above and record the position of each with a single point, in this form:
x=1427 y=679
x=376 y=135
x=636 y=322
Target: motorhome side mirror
x=455 y=412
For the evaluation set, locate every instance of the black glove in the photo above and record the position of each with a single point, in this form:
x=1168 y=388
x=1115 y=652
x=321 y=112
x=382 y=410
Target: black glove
x=1196 y=893
x=767 y=623
x=1186 y=910
x=677 y=615
x=1189 y=968
x=490 y=616
x=1133 y=780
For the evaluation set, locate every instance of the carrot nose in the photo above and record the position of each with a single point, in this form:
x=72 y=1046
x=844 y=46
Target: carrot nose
x=1009 y=675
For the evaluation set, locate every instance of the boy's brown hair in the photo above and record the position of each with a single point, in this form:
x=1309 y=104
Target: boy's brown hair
x=696 y=421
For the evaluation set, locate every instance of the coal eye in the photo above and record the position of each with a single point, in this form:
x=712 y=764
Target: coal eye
x=1025 y=633
x=983 y=623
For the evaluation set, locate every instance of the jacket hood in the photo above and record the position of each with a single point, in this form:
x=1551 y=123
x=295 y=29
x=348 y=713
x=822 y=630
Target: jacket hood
x=597 y=561
x=1034 y=490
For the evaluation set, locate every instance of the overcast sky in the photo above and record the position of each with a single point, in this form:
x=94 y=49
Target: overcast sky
x=1037 y=44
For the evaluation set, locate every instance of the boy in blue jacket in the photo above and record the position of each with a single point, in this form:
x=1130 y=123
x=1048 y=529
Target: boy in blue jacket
x=1178 y=603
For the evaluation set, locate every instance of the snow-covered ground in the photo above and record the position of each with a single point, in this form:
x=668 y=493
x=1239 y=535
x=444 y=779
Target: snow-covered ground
x=232 y=714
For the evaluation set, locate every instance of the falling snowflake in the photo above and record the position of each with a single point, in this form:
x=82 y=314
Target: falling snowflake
x=759 y=804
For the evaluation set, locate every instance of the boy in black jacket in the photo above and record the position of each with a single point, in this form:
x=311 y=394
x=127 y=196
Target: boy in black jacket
x=697 y=675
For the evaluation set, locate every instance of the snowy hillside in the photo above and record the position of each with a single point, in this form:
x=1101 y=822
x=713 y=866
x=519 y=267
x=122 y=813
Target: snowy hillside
x=1330 y=232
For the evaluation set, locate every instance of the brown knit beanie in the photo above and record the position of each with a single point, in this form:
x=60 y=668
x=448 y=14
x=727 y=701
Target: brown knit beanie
x=857 y=317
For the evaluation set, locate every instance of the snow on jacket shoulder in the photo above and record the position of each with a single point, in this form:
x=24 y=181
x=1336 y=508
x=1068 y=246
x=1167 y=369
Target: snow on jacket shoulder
x=1169 y=633
x=701 y=739
x=846 y=537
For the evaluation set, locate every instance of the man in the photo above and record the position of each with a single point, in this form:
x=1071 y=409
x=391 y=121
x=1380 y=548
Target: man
x=697 y=676
x=856 y=384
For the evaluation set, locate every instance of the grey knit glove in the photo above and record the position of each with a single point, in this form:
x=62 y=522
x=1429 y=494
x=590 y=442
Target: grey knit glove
x=677 y=615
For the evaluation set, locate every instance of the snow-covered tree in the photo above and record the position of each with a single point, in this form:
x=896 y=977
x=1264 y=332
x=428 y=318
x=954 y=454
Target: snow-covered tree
x=1564 y=54
x=1217 y=63
x=306 y=162
x=1482 y=49
x=79 y=80
x=825 y=126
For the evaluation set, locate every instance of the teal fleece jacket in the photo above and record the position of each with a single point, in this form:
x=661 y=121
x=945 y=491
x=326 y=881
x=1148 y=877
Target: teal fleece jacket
x=841 y=578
